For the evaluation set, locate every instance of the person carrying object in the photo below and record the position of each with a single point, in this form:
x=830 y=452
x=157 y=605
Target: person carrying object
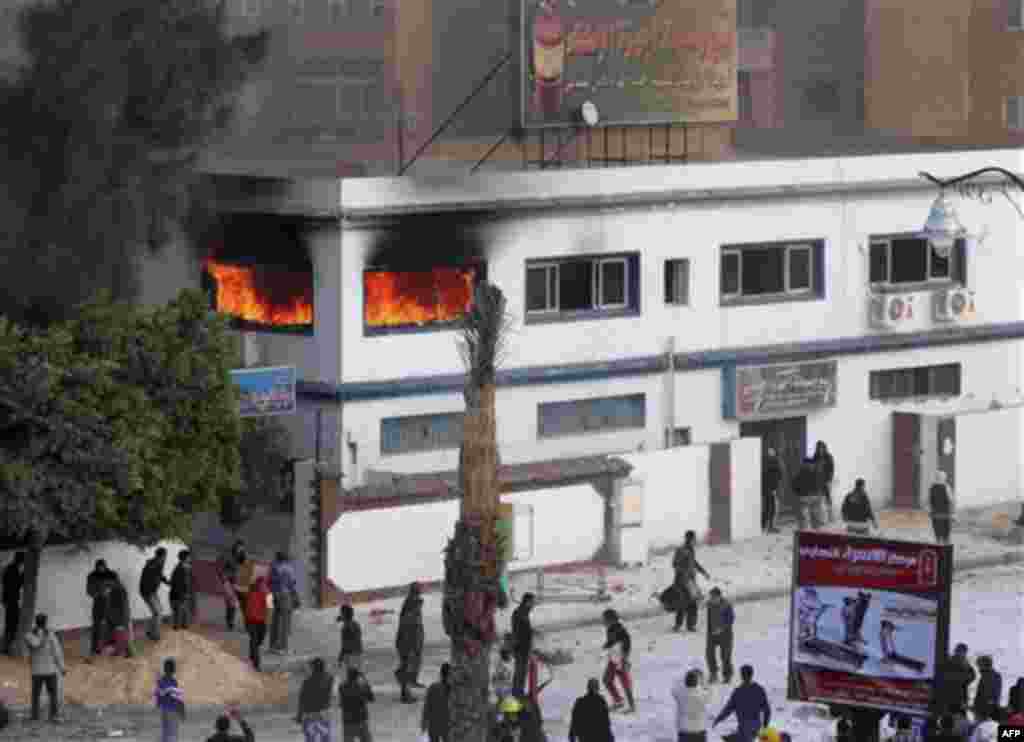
x=749 y=703
x=857 y=512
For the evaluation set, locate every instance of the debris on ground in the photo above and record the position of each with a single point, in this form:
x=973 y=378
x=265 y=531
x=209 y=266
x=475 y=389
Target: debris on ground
x=208 y=674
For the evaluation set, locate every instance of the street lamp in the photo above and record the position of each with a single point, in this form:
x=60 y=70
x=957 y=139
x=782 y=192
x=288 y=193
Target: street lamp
x=942 y=228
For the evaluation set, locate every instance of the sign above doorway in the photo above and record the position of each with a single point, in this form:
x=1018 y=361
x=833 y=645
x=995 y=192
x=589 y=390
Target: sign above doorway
x=779 y=390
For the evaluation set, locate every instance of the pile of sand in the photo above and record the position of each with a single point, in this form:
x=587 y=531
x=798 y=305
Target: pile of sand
x=207 y=674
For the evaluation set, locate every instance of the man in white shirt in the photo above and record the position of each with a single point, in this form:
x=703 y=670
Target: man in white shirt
x=691 y=697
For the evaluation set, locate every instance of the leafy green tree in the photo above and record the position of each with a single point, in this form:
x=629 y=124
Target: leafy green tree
x=119 y=424
x=103 y=128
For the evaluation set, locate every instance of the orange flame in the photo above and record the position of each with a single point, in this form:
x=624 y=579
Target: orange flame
x=241 y=293
x=394 y=298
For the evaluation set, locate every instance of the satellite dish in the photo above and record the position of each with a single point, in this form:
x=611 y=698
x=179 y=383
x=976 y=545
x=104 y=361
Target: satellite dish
x=589 y=114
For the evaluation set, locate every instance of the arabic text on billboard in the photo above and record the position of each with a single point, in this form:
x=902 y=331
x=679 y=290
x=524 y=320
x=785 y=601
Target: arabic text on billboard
x=265 y=391
x=774 y=390
x=870 y=621
x=638 y=61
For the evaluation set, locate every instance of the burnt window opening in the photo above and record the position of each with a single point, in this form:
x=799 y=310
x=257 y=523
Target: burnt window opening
x=258 y=272
x=903 y=260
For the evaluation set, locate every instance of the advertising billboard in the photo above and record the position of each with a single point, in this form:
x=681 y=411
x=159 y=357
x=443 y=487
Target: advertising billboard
x=265 y=391
x=869 y=621
x=637 y=61
x=779 y=390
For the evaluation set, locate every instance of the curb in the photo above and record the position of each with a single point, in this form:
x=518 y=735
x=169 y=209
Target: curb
x=299 y=662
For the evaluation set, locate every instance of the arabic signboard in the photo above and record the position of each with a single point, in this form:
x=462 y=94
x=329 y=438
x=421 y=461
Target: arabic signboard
x=637 y=61
x=869 y=621
x=754 y=392
x=265 y=391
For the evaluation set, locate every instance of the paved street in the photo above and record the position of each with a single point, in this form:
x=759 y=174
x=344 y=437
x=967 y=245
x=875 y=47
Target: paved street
x=987 y=614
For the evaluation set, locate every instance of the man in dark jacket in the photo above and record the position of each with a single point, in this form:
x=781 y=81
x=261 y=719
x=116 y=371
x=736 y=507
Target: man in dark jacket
x=182 y=592
x=149 y=588
x=940 y=499
x=434 y=722
x=522 y=641
x=857 y=512
x=13 y=582
x=805 y=487
x=750 y=704
x=619 y=646
x=686 y=568
x=957 y=676
x=591 y=721
x=989 y=692
x=355 y=695
x=119 y=615
x=825 y=470
x=94 y=582
x=223 y=727
x=721 y=618
x=771 y=480
x=409 y=642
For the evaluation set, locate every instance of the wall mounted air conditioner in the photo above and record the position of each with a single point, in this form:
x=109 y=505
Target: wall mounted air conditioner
x=889 y=310
x=952 y=304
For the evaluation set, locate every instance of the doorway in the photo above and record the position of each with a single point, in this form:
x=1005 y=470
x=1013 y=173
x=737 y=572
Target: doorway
x=788 y=436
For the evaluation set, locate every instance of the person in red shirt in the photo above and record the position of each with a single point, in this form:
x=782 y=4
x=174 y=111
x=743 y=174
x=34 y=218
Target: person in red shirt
x=256 y=618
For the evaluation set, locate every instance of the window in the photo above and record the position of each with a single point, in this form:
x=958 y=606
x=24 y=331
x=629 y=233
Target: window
x=338 y=9
x=774 y=271
x=1015 y=113
x=677 y=282
x=1015 y=21
x=377 y=8
x=921 y=381
x=576 y=285
x=598 y=415
x=296 y=9
x=903 y=260
x=421 y=433
x=677 y=437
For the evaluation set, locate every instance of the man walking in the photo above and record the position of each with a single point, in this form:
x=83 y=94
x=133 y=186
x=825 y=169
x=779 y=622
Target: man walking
x=857 y=512
x=284 y=588
x=229 y=565
x=435 y=722
x=355 y=695
x=956 y=676
x=825 y=469
x=940 y=498
x=47 y=661
x=771 y=480
x=409 y=642
x=721 y=618
x=989 y=693
x=13 y=583
x=182 y=591
x=686 y=567
x=691 y=699
x=149 y=587
x=750 y=704
x=351 y=654
x=522 y=641
x=805 y=487
x=94 y=588
x=619 y=646
x=591 y=721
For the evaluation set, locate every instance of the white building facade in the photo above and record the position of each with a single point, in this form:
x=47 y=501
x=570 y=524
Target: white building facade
x=659 y=305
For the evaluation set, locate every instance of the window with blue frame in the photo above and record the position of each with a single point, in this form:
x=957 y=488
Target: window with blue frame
x=583 y=286
x=417 y=433
x=597 y=415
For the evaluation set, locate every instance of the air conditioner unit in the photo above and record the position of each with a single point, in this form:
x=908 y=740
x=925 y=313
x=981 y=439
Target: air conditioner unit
x=889 y=310
x=952 y=304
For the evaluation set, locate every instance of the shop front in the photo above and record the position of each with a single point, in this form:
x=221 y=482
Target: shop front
x=772 y=402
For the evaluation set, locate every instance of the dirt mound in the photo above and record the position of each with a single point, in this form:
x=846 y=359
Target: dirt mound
x=207 y=673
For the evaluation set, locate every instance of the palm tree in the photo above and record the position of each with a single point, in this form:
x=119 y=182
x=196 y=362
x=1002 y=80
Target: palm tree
x=472 y=557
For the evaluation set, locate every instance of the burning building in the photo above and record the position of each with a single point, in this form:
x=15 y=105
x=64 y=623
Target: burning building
x=258 y=271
